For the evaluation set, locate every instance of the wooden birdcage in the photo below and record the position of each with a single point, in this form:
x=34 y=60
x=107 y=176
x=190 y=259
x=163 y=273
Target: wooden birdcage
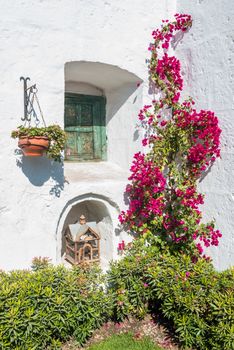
x=82 y=242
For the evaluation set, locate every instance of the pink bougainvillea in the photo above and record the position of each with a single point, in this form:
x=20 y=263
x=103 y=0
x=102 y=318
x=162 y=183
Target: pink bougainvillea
x=145 y=192
x=163 y=197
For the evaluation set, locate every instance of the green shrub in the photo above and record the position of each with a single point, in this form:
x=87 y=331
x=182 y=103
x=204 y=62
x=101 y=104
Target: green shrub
x=195 y=299
x=198 y=300
x=128 y=285
x=221 y=317
x=127 y=289
x=39 y=263
x=43 y=308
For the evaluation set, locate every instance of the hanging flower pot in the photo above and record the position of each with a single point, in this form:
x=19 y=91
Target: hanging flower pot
x=36 y=141
x=34 y=146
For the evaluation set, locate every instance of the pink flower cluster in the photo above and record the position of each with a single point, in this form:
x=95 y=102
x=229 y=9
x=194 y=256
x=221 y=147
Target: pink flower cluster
x=190 y=197
x=182 y=22
x=204 y=138
x=146 y=173
x=143 y=112
x=186 y=203
x=121 y=246
x=168 y=69
x=186 y=206
x=174 y=228
x=210 y=237
x=145 y=192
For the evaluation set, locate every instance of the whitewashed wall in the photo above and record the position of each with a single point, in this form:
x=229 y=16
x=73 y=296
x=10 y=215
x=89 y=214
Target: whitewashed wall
x=37 y=38
x=207 y=55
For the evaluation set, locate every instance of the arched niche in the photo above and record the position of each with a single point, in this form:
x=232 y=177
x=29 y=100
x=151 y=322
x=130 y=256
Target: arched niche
x=97 y=210
x=123 y=99
x=102 y=76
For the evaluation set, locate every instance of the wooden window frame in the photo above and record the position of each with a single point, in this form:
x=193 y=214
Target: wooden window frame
x=100 y=147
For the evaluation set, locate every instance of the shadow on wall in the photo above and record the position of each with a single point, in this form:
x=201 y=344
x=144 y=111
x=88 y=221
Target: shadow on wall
x=39 y=170
x=116 y=98
x=96 y=78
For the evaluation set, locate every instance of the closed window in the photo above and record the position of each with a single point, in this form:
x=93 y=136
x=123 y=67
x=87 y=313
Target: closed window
x=85 y=126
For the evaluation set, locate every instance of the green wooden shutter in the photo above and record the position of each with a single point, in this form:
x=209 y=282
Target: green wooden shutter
x=85 y=127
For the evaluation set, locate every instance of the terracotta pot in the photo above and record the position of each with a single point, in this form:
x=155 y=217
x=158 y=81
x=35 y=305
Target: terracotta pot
x=33 y=146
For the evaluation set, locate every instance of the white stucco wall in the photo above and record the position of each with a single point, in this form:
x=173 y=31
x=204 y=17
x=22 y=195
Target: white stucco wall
x=37 y=38
x=207 y=57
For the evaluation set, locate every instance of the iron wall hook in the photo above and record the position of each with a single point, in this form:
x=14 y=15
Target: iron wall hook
x=30 y=99
x=25 y=117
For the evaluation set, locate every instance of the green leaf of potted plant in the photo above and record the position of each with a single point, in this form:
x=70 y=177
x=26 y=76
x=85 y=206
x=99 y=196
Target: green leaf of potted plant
x=35 y=141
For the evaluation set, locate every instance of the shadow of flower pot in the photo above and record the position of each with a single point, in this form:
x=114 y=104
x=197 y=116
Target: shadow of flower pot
x=40 y=170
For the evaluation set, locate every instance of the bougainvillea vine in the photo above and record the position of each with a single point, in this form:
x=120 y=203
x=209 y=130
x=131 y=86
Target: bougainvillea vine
x=163 y=197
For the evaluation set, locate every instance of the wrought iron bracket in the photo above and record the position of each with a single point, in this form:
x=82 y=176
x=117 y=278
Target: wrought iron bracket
x=30 y=96
x=25 y=117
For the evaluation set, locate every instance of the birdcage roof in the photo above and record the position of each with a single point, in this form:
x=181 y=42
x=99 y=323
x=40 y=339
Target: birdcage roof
x=77 y=230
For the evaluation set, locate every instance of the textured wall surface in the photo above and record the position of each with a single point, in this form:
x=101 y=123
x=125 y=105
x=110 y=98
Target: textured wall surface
x=37 y=39
x=207 y=56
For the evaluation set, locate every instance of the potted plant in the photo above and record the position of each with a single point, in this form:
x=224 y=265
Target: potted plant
x=35 y=141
